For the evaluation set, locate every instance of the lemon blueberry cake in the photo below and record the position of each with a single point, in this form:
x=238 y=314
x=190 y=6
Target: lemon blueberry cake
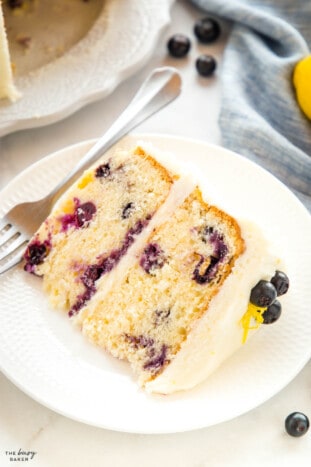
x=152 y=272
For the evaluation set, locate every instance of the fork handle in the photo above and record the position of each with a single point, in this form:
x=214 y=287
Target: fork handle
x=161 y=87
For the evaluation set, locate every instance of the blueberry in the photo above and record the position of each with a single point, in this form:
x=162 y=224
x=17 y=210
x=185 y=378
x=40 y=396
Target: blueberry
x=91 y=275
x=201 y=277
x=127 y=210
x=207 y=30
x=211 y=235
x=35 y=254
x=280 y=282
x=272 y=313
x=161 y=316
x=179 y=45
x=140 y=341
x=205 y=65
x=153 y=257
x=158 y=361
x=297 y=424
x=263 y=294
x=102 y=171
x=84 y=213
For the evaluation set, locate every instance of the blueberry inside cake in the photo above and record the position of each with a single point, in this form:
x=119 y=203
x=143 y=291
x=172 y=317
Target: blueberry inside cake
x=152 y=273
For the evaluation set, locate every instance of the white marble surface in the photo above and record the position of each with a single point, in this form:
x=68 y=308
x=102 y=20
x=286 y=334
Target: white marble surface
x=254 y=439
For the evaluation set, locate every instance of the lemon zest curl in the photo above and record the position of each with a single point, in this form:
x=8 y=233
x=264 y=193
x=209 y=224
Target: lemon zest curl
x=252 y=319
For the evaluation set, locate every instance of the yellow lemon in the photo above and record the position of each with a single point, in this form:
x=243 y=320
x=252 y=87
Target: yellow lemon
x=302 y=83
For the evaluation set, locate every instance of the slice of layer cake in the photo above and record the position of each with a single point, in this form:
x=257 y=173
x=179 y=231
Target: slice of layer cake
x=92 y=228
x=150 y=271
x=172 y=293
x=182 y=266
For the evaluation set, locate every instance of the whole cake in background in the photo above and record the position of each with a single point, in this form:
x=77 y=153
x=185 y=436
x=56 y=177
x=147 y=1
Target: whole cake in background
x=34 y=33
x=152 y=272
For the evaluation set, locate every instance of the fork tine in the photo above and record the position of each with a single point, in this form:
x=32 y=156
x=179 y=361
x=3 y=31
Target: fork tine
x=13 y=262
x=8 y=234
x=3 y=223
x=13 y=246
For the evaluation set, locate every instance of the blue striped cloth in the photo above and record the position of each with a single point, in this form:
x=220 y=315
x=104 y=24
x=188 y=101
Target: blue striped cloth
x=259 y=115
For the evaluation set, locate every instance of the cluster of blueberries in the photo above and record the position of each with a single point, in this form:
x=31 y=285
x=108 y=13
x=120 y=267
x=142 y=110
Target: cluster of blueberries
x=264 y=295
x=206 y=30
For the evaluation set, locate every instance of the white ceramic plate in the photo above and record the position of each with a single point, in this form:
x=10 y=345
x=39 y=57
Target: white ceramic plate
x=119 y=43
x=44 y=355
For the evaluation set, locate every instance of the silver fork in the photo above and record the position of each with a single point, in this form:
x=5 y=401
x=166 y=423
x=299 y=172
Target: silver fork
x=20 y=223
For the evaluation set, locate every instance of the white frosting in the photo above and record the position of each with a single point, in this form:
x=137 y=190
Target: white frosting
x=219 y=332
x=185 y=169
x=7 y=88
x=169 y=160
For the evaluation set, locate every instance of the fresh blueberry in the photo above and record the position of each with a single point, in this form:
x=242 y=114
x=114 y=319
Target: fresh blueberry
x=280 y=282
x=297 y=424
x=207 y=30
x=272 y=313
x=205 y=65
x=179 y=45
x=263 y=294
